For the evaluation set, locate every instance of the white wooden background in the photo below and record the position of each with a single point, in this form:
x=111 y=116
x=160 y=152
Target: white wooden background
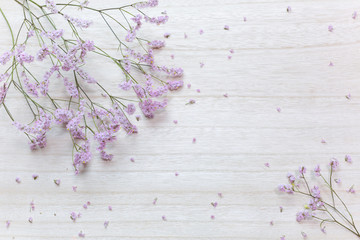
x=281 y=60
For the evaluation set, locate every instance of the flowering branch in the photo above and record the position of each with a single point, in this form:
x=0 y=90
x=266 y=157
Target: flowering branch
x=317 y=208
x=66 y=57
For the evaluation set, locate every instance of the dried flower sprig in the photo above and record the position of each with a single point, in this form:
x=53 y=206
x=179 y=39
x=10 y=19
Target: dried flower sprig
x=325 y=211
x=65 y=60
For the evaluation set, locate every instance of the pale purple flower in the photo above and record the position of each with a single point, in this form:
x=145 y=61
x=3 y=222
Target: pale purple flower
x=323 y=229
x=315 y=192
x=282 y=238
x=188 y=85
x=348 y=158
x=201 y=64
x=81 y=234
x=351 y=189
x=5 y=57
x=302 y=170
x=267 y=164
x=317 y=170
x=85 y=206
x=30 y=220
x=172 y=56
x=110 y=208
x=323 y=141
x=149 y=3
x=288 y=9
x=245 y=19
x=175 y=84
x=220 y=195
x=18 y=180
x=331 y=64
x=130 y=109
x=175 y=122
x=226 y=95
x=194 y=140
x=126 y=85
x=291 y=178
x=4 y=76
x=198 y=90
x=32 y=205
x=278 y=109
x=226 y=27
x=74 y=216
x=81 y=23
x=285 y=188
x=337 y=180
x=155 y=200
x=35 y=176
x=3 y=91
x=229 y=57
x=106 y=224
x=271 y=223
x=176 y=174
x=334 y=164
x=50 y=4
x=185 y=36
x=191 y=101
x=302 y=215
x=281 y=209
x=53 y=35
x=156 y=44
x=348 y=96
x=330 y=28
x=149 y=107
x=30 y=33
x=201 y=32
x=164 y=218
x=166 y=35
x=354 y=15
x=132 y=159
x=74 y=188
x=7 y=224
x=212 y=217
x=214 y=204
x=231 y=51
x=57 y=182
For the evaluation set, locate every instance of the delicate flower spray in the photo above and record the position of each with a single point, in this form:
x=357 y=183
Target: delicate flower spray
x=333 y=210
x=65 y=60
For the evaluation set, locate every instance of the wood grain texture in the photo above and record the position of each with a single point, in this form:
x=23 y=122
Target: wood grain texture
x=281 y=60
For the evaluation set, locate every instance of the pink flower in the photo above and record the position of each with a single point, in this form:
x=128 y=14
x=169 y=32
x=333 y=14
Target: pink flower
x=7 y=224
x=267 y=164
x=30 y=220
x=74 y=188
x=35 y=176
x=110 y=208
x=164 y=218
x=81 y=234
x=220 y=195
x=288 y=9
x=166 y=35
x=155 y=200
x=18 y=180
x=226 y=27
x=330 y=28
x=201 y=32
x=286 y=188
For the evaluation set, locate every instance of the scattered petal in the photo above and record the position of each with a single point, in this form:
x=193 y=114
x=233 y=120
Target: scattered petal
x=18 y=180
x=164 y=218
x=57 y=182
x=35 y=176
x=348 y=158
x=288 y=9
x=30 y=220
x=330 y=28
x=155 y=201
x=106 y=224
x=226 y=27
x=267 y=164
x=201 y=32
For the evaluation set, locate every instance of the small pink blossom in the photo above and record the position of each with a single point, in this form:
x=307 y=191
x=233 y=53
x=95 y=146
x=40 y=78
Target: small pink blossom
x=267 y=164
x=317 y=170
x=201 y=32
x=7 y=224
x=220 y=195
x=85 y=206
x=176 y=174
x=288 y=9
x=323 y=141
x=185 y=36
x=212 y=217
x=330 y=28
x=226 y=95
x=35 y=176
x=175 y=122
x=245 y=19
x=164 y=218
x=281 y=209
x=214 y=204
x=110 y=208
x=229 y=57
x=337 y=180
x=278 y=109
x=304 y=235
x=132 y=159
x=155 y=201
x=188 y=85
x=271 y=223
x=348 y=96
x=331 y=64
x=194 y=140
x=166 y=35
x=74 y=188
x=201 y=64
x=226 y=27
x=30 y=220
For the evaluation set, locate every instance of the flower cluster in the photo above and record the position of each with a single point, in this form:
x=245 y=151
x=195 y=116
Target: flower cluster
x=64 y=60
x=318 y=208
